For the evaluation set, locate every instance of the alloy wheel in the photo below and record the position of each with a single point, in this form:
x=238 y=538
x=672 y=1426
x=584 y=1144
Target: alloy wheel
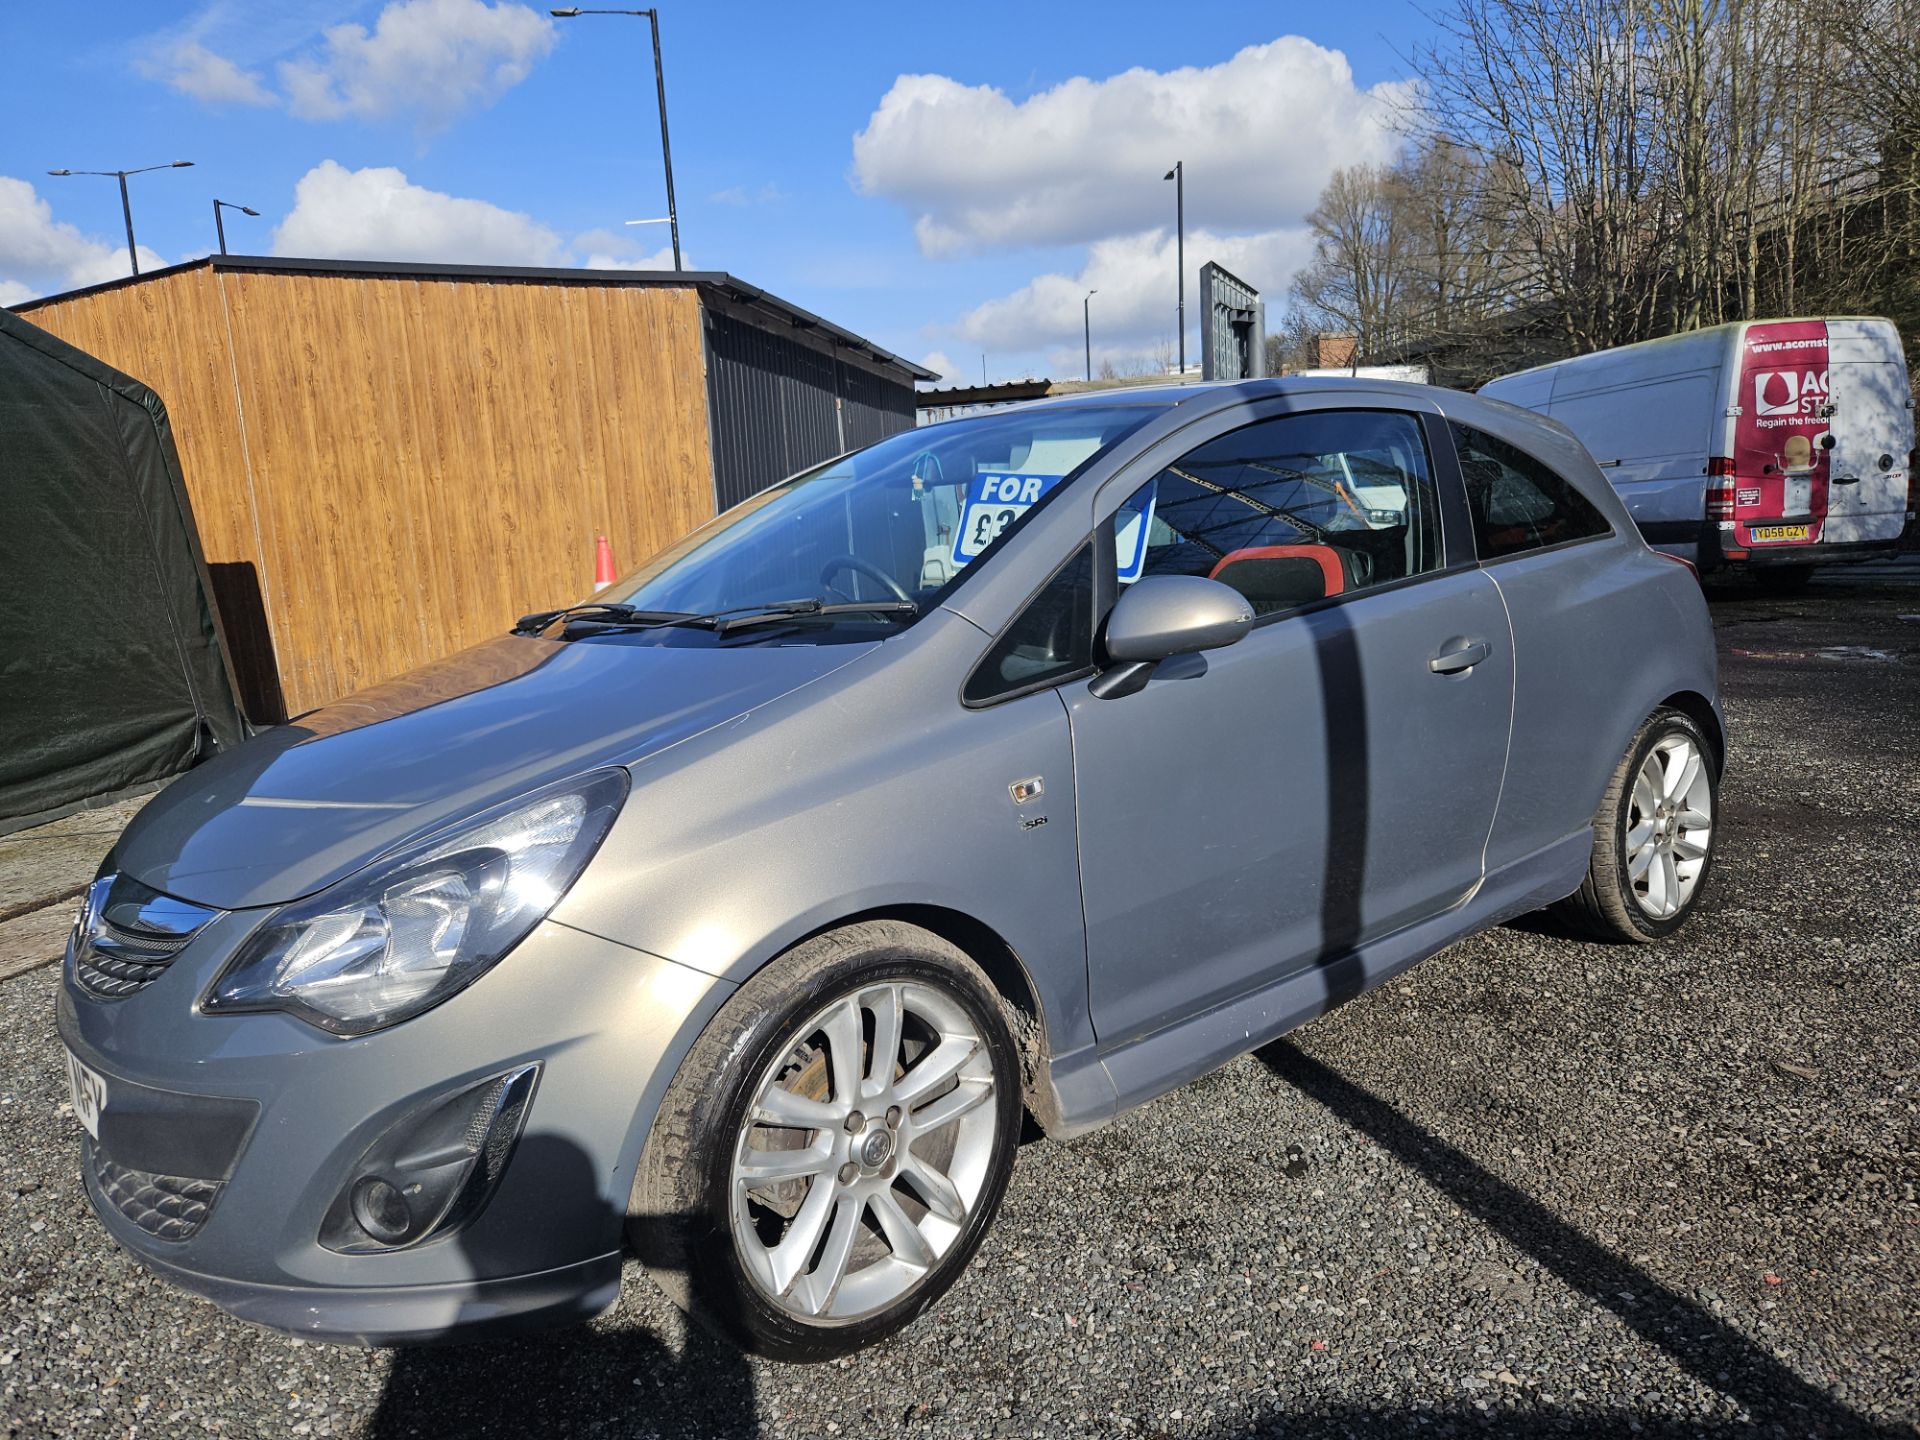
x=867 y=1145
x=1669 y=826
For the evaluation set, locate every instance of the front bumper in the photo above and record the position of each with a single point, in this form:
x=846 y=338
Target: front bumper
x=240 y=1131
x=406 y=1314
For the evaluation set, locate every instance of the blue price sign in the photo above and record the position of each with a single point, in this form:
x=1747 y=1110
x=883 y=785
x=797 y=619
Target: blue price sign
x=995 y=500
x=1131 y=528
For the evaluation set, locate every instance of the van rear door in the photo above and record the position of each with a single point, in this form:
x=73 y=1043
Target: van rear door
x=1872 y=429
x=1780 y=468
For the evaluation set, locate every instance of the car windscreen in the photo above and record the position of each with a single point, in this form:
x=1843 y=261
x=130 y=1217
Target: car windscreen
x=899 y=521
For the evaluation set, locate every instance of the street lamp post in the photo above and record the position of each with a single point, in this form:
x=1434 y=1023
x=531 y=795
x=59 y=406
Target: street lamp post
x=1086 y=321
x=660 y=86
x=1178 y=174
x=220 y=229
x=126 y=205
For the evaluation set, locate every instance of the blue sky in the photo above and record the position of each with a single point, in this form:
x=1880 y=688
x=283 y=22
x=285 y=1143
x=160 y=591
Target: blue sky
x=948 y=181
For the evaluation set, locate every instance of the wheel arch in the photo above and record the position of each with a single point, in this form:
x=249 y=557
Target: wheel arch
x=1699 y=709
x=1005 y=971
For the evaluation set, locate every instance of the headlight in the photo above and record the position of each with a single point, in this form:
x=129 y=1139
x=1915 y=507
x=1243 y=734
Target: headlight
x=422 y=923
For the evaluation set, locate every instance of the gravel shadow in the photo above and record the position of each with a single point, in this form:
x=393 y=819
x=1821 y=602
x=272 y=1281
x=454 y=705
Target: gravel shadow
x=1716 y=1354
x=602 y=1378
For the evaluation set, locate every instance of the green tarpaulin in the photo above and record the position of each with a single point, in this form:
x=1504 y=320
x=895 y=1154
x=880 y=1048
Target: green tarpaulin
x=112 y=671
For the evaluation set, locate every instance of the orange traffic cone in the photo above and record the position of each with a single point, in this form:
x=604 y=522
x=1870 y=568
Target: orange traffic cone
x=603 y=575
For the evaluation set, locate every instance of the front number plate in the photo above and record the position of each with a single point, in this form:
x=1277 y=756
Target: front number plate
x=1763 y=533
x=89 y=1093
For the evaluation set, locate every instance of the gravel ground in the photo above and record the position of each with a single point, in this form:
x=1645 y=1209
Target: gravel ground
x=1533 y=1187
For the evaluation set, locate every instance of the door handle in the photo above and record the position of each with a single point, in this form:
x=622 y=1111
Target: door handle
x=1459 y=654
x=1846 y=479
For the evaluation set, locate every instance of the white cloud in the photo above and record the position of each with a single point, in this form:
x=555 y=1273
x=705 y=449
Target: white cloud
x=612 y=250
x=661 y=259
x=192 y=69
x=31 y=240
x=428 y=58
x=1259 y=133
x=1136 y=308
x=378 y=214
x=41 y=256
x=937 y=361
x=103 y=261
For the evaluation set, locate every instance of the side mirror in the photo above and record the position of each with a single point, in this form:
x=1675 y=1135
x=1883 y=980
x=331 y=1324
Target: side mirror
x=1166 y=615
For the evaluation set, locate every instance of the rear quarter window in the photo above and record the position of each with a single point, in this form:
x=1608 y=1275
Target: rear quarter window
x=1519 y=503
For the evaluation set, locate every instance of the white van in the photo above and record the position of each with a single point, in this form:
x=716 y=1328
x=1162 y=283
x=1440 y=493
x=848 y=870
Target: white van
x=1773 y=444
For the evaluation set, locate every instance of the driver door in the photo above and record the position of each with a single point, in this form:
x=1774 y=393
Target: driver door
x=1274 y=805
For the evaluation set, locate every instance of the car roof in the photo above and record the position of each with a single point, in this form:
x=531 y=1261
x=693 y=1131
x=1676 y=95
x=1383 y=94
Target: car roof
x=1219 y=394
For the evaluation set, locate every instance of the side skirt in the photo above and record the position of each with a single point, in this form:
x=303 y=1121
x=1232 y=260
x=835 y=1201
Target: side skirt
x=1093 y=1088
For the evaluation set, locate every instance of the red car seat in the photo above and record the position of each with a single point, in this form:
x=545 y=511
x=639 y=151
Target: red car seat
x=1279 y=577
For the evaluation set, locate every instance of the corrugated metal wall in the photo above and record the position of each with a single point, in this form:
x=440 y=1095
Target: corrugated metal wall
x=876 y=407
x=777 y=405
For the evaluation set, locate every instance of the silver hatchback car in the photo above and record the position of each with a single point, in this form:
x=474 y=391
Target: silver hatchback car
x=1012 y=771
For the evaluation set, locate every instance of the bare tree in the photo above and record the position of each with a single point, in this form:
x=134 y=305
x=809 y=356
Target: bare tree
x=1866 y=240
x=1588 y=173
x=1357 y=282
x=1404 y=256
x=1552 y=93
x=1291 y=343
x=1456 y=247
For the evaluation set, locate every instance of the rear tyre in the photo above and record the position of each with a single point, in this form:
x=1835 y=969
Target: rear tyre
x=835 y=1145
x=1652 y=836
x=1784 y=579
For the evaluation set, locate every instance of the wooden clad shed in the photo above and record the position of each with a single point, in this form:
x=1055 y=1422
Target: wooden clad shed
x=388 y=462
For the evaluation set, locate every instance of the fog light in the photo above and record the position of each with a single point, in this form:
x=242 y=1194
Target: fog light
x=434 y=1170
x=381 y=1210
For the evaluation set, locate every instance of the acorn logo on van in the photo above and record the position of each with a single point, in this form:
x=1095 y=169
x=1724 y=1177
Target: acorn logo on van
x=1789 y=392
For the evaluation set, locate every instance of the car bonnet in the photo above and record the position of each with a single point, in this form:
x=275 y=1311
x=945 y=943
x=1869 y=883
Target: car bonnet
x=306 y=804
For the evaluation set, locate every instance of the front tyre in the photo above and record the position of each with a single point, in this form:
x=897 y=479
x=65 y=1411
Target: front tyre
x=834 y=1146
x=1652 y=835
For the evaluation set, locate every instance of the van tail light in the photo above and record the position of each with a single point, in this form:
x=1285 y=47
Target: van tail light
x=1720 y=488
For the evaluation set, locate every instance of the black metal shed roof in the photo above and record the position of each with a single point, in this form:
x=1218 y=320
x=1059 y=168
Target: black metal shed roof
x=717 y=282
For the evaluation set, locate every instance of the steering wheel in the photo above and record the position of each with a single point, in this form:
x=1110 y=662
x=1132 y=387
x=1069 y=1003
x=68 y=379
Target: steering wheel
x=863 y=567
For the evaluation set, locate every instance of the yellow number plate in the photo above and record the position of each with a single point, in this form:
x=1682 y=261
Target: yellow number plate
x=1763 y=533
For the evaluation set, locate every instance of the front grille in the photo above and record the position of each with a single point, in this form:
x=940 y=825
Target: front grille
x=114 y=963
x=128 y=934
x=168 y=1207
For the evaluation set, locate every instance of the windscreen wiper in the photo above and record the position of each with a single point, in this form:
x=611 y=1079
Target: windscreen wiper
x=601 y=619
x=807 y=609
x=622 y=614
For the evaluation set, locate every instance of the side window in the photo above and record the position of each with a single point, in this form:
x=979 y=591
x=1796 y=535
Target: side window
x=1051 y=639
x=1518 y=503
x=1291 y=510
